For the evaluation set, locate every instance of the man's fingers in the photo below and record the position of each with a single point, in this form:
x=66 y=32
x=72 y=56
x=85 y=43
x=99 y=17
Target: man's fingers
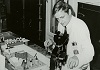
x=48 y=43
x=72 y=62
x=69 y=65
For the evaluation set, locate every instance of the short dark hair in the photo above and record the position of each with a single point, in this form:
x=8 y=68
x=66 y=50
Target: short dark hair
x=64 y=6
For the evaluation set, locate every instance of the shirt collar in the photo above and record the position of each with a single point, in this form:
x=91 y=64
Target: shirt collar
x=69 y=26
x=70 y=22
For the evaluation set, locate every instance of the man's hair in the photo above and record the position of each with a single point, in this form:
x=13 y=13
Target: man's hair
x=64 y=6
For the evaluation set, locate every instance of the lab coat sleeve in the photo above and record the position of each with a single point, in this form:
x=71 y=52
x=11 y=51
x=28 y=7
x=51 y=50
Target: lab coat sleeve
x=87 y=53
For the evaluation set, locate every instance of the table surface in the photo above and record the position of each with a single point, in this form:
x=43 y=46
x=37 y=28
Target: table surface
x=31 y=51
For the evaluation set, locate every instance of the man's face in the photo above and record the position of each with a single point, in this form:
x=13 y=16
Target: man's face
x=62 y=17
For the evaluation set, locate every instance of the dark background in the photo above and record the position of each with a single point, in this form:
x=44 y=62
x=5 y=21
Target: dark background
x=25 y=18
x=90 y=14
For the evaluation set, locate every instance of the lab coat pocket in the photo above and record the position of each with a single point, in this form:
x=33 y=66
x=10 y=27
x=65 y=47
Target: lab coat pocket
x=77 y=49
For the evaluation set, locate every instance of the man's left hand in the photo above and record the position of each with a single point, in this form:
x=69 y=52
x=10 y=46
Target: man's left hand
x=73 y=62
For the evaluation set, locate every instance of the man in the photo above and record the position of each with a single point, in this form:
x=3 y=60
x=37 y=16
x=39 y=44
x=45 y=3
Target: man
x=80 y=50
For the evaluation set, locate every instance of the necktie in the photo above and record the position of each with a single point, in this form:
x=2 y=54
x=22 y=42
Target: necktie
x=65 y=39
x=65 y=32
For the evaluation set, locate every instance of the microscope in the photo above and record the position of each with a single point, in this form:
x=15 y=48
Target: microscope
x=59 y=53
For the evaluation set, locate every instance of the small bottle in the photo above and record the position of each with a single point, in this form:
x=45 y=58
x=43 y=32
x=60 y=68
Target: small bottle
x=23 y=64
x=31 y=64
x=2 y=39
x=36 y=61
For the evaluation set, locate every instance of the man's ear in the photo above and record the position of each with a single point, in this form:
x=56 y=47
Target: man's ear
x=72 y=11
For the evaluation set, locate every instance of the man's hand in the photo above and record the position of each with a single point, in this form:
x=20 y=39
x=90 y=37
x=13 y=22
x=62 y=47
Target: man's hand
x=48 y=42
x=49 y=45
x=73 y=62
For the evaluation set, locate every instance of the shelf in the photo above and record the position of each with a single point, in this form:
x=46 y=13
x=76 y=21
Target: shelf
x=92 y=2
x=1 y=1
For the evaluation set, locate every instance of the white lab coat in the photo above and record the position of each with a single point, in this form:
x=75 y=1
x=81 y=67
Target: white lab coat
x=79 y=33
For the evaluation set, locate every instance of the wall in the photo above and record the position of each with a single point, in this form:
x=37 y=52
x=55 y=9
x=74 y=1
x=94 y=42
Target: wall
x=48 y=35
x=48 y=4
x=7 y=2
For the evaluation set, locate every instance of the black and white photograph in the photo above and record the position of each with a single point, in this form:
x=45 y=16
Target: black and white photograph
x=49 y=34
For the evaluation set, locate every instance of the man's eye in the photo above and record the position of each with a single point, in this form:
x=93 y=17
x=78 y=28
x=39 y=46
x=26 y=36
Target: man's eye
x=57 y=19
x=62 y=17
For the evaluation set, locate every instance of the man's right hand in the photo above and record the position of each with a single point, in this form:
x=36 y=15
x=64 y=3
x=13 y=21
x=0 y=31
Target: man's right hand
x=49 y=45
x=48 y=42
